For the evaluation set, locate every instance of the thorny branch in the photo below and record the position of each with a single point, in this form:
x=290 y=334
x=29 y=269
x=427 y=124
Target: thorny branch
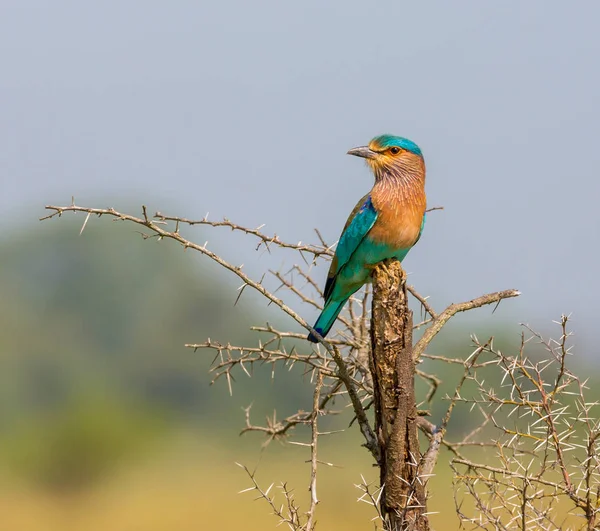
x=310 y=524
x=266 y=240
x=288 y=513
x=546 y=437
x=437 y=434
x=439 y=321
x=542 y=428
x=279 y=429
x=156 y=224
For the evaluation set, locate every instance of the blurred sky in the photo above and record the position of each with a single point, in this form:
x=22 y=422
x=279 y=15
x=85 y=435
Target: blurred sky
x=246 y=110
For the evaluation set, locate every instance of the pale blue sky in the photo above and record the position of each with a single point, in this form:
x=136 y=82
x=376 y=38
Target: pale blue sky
x=246 y=110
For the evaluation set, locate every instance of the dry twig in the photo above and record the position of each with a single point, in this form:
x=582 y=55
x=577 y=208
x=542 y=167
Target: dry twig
x=546 y=437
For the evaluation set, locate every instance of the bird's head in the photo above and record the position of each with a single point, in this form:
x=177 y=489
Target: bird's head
x=388 y=154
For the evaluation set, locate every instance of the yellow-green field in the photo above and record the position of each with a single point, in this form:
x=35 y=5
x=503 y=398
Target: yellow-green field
x=191 y=486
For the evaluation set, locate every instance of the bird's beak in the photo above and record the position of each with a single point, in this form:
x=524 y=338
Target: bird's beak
x=364 y=151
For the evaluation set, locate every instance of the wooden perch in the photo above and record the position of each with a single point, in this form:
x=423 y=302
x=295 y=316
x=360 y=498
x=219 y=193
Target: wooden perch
x=403 y=503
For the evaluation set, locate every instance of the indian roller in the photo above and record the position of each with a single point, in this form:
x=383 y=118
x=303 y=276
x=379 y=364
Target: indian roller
x=384 y=224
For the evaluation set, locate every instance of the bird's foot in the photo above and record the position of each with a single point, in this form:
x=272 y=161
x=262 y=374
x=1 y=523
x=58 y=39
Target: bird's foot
x=383 y=265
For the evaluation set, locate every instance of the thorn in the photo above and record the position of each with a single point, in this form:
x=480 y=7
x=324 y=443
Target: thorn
x=241 y=289
x=85 y=223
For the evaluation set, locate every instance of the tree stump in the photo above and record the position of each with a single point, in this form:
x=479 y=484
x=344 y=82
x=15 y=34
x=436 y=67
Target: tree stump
x=403 y=503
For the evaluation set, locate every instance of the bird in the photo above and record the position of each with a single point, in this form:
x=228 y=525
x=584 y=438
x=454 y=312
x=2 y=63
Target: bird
x=386 y=223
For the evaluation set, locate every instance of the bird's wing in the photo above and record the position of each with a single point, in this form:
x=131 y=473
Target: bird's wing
x=359 y=223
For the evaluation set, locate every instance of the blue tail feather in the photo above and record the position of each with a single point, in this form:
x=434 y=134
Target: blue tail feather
x=326 y=319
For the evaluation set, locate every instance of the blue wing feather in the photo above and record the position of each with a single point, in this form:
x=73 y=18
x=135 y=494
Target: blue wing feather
x=355 y=231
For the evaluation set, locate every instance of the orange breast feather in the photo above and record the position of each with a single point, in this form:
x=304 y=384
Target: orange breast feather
x=400 y=214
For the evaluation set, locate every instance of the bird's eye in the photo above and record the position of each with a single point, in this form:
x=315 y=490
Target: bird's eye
x=394 y=150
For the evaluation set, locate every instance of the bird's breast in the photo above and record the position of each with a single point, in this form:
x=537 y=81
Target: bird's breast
x=399 y=218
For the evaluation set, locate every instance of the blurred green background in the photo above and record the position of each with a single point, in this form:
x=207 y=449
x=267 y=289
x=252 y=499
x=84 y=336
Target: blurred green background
x=108 y=422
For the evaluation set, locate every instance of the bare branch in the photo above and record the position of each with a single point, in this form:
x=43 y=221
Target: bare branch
x=153 y=225
x=530 y=414
x=265 y=239
x=314 y=500
x=453 y=309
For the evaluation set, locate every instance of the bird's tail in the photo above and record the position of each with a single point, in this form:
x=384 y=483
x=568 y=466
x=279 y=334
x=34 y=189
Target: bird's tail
x=326 y=319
